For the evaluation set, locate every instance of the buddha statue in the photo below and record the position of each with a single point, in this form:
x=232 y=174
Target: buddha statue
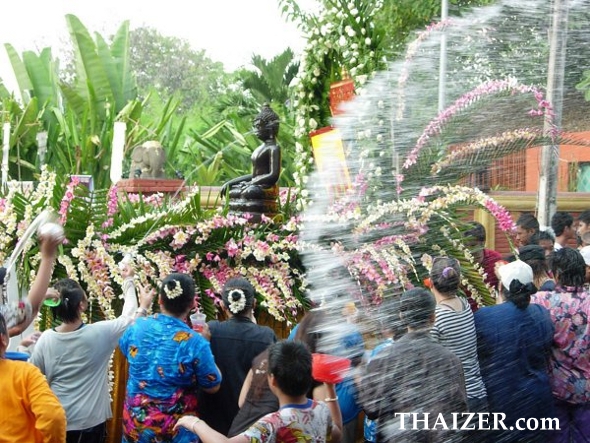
x=257 y=193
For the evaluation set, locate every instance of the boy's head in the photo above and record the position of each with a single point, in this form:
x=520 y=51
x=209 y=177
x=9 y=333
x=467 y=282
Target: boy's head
x=562 y=223
x=417 y=308
x=289 y=367
x=583 y=226
x=544 y=238
x=475 y=239
x=526 y=226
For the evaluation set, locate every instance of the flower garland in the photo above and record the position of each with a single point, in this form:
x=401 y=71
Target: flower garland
x=340 y=36
x=237 y=300
x=489 y=88
x=67 y=199
x=175 y=291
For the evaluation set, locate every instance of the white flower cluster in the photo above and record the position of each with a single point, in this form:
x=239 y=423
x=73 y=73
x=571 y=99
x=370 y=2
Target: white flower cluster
x=237 y=300
x=176 y=291
x=338 y=38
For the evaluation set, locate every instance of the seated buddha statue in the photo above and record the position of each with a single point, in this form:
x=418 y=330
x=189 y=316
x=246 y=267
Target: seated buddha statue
x=257 y=192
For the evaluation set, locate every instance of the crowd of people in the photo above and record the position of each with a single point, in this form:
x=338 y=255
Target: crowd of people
x=438 y=355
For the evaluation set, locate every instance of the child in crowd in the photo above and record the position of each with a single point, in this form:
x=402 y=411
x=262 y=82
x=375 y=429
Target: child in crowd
x=298 y=418
x=29 y=410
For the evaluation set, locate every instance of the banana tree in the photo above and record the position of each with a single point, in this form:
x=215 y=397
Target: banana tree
x=78 y=113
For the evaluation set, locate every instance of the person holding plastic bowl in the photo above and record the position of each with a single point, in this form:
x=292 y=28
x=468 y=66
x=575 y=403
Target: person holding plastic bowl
x=20 y=314
x=75 y=356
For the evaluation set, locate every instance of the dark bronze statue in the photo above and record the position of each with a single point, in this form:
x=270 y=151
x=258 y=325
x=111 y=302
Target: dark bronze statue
x=257 y=193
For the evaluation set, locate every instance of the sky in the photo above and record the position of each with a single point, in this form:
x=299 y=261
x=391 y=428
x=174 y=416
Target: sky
x=230 y=31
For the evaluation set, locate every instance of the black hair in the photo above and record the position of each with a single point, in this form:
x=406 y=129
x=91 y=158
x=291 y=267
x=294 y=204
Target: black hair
x=541 y=235
x=534 y=256
x=233 y=291
x=568 y=267
x=71 y=295
x=560 y=221
x=519 y=294
x=309 y=330
x=528 y=221
x=445 y=274
x=290 y=364
x=389 y=316
x=3 y=328
x=417 y=307
x=3 y=285
x=184 y=300
x=545 y=235
x=476 y=231
x=584 y=217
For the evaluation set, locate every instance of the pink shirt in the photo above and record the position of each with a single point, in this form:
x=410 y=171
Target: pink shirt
x=570 y=359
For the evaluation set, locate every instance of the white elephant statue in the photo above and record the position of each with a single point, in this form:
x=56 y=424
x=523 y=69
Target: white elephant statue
x=147 y=160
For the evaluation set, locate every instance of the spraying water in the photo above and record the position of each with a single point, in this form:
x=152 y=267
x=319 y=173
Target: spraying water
x=415 y=171
x=404 y=156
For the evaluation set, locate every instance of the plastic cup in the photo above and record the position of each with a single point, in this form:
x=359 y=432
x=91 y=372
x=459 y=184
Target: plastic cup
x=198 y=320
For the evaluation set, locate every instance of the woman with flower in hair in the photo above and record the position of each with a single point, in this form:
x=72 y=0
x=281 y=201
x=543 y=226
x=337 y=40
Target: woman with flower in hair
x=168 y=363
x=235 y=343
x=74 y=357
x=454 y=327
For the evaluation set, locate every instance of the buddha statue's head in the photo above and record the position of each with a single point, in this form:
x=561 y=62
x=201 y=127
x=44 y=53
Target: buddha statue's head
x=266 y=123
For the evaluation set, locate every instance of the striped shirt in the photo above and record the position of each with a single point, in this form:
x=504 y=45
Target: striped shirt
x=455 y=330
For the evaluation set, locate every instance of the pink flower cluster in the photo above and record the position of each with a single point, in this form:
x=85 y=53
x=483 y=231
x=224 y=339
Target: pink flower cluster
x=484 y=90
x=502 y=216
x=525 y=136
x=67 y=199
x=112 y=206
x=154 y=200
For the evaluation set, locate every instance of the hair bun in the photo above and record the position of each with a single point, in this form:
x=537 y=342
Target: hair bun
x=448 y=272
x=237 y=300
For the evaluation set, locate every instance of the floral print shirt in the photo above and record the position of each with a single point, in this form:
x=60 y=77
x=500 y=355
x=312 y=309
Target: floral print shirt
x=168 y=361
x=307 y=423
x=570 y=359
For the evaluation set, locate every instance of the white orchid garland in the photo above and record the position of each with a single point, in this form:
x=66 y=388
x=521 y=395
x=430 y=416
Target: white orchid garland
x=236 y=304
x=174 y=292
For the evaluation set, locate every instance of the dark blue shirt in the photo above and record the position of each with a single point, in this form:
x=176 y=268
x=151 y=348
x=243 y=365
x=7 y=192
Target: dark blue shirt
x=514 y=346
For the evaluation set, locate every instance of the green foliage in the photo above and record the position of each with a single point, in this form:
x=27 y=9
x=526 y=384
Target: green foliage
x=78 y=110
x=584 y=85
x=270 y=82
x=220 y=153
x=402 y=17
x=171 y=67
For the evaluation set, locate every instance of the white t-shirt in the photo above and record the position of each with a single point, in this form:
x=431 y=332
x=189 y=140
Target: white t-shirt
x=76 y=366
